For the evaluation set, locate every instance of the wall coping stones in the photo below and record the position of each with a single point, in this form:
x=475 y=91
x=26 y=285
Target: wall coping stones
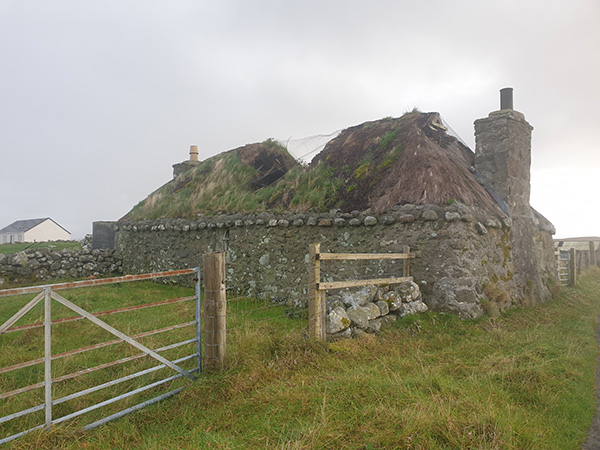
x=406 y=218
x=369 y=221
x=430 y=215
x=405 y=215
x=493 y=223
x=452 y=216
x=481 y=229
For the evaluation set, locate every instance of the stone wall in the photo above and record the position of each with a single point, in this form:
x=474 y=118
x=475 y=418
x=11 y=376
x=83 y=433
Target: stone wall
x=459 y=250
x=47 y=264
x=353 y=312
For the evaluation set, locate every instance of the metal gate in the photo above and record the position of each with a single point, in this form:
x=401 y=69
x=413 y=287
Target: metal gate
x=562 y=260
x=47 y=295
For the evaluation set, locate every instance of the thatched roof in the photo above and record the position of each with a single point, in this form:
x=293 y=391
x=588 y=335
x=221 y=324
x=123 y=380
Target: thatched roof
x=411 y=159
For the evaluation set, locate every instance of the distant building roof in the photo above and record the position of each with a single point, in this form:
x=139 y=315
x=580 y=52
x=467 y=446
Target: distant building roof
x=579 y=239
x=21 y=226
x=582 y=243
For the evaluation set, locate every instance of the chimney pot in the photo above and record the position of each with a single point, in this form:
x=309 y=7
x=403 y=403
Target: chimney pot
x=506 y=98
x=193 y=153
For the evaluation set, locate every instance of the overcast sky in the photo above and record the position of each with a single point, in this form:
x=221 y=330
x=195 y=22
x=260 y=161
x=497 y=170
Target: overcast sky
x=99 y=98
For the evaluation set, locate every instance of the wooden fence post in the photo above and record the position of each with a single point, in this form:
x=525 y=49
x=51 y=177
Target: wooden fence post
x=406 y=266
x=586 y=260
x=572 y=268
x=316 y=296
x=215 y=309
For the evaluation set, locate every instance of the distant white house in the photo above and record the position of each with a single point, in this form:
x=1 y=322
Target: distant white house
x=33 y=230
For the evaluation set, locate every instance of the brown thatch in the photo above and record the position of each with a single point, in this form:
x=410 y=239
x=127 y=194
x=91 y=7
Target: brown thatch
x=407 y=160
x=375 y=165
x=268 y=159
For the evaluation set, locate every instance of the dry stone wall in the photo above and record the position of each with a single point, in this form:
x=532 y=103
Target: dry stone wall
x=46 y=264
x=459 y=250
x=352 y=312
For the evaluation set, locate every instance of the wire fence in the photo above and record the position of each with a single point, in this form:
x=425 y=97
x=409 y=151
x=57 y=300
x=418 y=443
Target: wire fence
x=86 y=378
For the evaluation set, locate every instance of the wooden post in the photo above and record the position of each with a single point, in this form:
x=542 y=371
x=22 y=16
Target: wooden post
x=316 y=296
x=572 y=268
x=215 y=309
x=406 y=267
x=586 y=260
x=593 y=259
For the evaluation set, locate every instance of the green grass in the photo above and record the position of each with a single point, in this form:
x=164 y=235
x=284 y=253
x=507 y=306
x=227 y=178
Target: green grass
x=315 y=187
x=221 y=183
x=387 y=138
x=58 y=245
x=523 y=380
x=82 y=333
x=301 y=187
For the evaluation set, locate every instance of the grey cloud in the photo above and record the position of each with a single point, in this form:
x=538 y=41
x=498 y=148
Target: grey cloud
x=98 y=99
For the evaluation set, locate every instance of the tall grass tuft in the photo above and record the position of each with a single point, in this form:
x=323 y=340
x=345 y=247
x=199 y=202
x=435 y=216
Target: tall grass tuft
x=523 y=380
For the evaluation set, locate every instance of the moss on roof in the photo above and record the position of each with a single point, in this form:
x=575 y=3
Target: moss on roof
x=411 y=159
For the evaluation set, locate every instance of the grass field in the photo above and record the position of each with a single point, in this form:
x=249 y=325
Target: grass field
x=20 y=246
x=20 y=346
x=524 y=380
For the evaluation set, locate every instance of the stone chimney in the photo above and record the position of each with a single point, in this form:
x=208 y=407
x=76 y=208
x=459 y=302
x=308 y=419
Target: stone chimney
x=503 y=154
x=184 y=166
x=503 y=160
x=193 y=153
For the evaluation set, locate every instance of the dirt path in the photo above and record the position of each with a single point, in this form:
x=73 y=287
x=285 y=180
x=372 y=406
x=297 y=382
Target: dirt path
x=593 y=440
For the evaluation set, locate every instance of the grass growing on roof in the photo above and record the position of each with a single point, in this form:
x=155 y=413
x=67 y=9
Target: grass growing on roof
x=217 y=184
x=225 y=183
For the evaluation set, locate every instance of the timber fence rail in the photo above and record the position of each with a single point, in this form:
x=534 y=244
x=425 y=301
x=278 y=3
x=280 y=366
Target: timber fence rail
x=176 y=349
x=222 y=322
x=572 y=263
x=318 y=288
x=232 y=321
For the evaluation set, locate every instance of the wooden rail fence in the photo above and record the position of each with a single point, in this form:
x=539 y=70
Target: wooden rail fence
x=317 y=288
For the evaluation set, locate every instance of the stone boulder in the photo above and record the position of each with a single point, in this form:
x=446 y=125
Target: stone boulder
x=359 y=316
x=369 y=309
x=359 y=297
x=412 y=308
x=337 y=320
